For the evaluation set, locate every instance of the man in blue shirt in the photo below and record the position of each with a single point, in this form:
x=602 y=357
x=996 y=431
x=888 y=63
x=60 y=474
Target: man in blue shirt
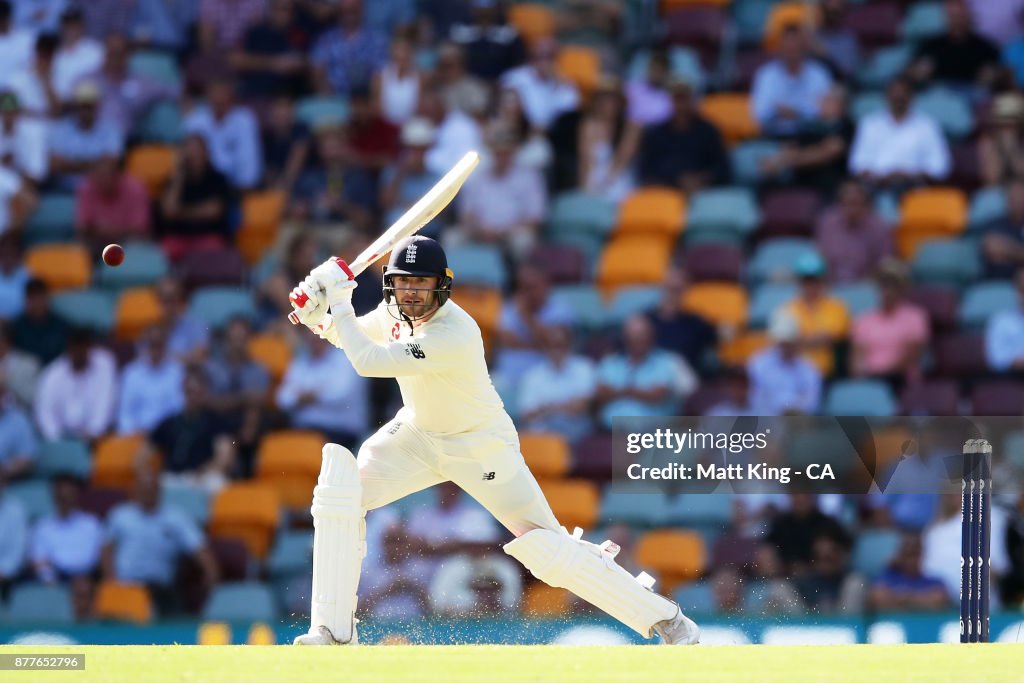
x=787 y=91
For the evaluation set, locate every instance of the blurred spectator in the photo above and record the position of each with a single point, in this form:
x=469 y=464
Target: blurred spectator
x=505 y=204
x=898 y=148
x=727 y=589
x=608 y=144
x=1013 y=52
x=389 y=16
x=1011 y=589
x=851 y=236
x=222 y=23
x=542 y=90
x=941 y=546
x=396 y=86
x=111 y=206
x=16 y=201
x=14 y=276
x=1001 y=145
x=648 y=99
x=33 y=84
x=678 y=330
x=77 y=394
x=163 y=26
x=525 y=317
x=405 y=181
x=819 y=154
x=398 y=587
x=449 y=78
x=77 y=55
x=686 y=152
x=834 y=43
x=239 y=386
x=80 y=141
x=188 y=334
x=555 y=395
x=643 y=381
x=16 y=44
x=39 y=16
x=151 y=385
x=333 y=188
x=196 y=443
x=793 y=533
x=19 y=444
x=126 y=96
x=787 y=91
x=888 y=342
x=104 y=18
x=66 y=545
x=460 y=127
x=38 y=330
x=338 y=408
x=492 y=46
x=1002 y=243
x=1004 y=334
x=998 y=21
x=232 y=134
x=298 y=258
x=23 y=144
x=736 y=401
x=196 y=203
x=782 y=380
x=372 y=139
x=271 y=57
x=827 y=585
x=958 y=57
x=145 y=540
x=14 y=522
x=903 y=587
x=286 y=145
x=345 y=58
x=20 y=371
x=534 y=149
x=822 y=319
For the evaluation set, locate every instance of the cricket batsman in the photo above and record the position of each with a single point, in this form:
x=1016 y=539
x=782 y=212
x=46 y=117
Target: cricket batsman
x=452 y=427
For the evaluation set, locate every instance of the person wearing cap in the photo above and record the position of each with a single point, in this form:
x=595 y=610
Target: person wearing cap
x=787 y=91
x=686 y=152
x=404 y=182
x=822 y=319
x=851 y=236
x=1001 y=145
x=1002 y=243
x=80 y=141
x=782 y=380
x=888 y=342
x=77 y=55
x=544 y=93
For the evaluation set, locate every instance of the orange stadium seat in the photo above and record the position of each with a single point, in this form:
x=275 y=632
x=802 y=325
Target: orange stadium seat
x=289 y=460
x=909 y=241
x=483 y=303
x=60 y=266
x=114 y=462
x=262 y=213
x=888 y=444
x=787 y=14
x=533 y=21
x=731 y=114
x=547 y=455
x=633 y=260
x=123 y=602
x=676 y=556
x=542 y=600
x=722 y=303
x=153 y=165
x=271 y=351
x=575 y=502
x=249 y=512
x=934 y=209
x=580 y=65
x=137 y=309
x=658 y=210
x=737 y=351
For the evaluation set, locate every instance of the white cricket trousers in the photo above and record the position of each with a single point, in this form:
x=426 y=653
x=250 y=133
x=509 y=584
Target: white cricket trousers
x=400 y=459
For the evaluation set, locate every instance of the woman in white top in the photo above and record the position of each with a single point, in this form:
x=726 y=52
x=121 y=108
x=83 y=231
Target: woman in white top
x=396 y=86
x=534 y=150
x=608 y=144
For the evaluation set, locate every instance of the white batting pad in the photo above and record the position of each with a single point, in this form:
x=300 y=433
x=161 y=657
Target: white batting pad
x=339 y=543
x=590 y=571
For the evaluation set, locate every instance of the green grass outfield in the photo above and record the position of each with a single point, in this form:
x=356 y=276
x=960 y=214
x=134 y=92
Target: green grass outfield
x=499 y=664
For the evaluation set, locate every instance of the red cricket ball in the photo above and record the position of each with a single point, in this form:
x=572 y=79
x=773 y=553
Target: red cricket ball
x=113 y=254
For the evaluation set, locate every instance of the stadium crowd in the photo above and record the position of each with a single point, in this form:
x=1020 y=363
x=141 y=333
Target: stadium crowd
x=686 y=207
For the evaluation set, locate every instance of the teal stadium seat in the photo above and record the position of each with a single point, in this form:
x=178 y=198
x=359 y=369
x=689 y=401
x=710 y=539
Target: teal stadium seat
x=34 y=495
x=865 y=103
x=701 y=510
x=162 y=124
x=579 y=212
x=684 y=63
x=696 y=598
x=750 y=18
x=766 y=299
x=923 y=20
x=317 y=111
x=726 y=213
x=92 y=308
x=776 y=259
x=868 y=397
x=630 y=300
x=949 y=109
x=478 y=264
x=639 y=509
x=981 y=301
x=217 y=305
x=413 y=503
x=292 y=554
x=950 y=262
x=859 y=297
x=156 y=66
x=747 y=158
x=988 y=206
x=52 y=221
x=192 y=501
x=1013 y=447
x=144 y=264
x=584 y=300
x=38 y=603
x=66 y=456
x=873 y=550
x=241 y=601
x=884 y=65
x=823 y=445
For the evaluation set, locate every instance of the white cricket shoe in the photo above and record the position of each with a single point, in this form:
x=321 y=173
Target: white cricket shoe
x=323 y=636
x=679 y=630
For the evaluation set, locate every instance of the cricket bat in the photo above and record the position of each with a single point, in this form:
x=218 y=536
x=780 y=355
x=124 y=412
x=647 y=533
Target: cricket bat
x=418 y=215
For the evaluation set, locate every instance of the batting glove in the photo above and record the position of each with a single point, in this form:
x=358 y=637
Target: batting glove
x=337 y=280
x=309 y=302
